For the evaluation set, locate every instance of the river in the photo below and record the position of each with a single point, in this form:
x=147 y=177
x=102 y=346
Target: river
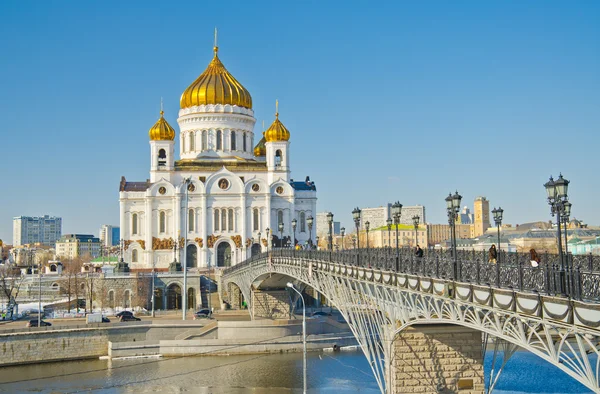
x=343 y=372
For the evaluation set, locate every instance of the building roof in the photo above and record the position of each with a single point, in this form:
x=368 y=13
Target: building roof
x=306 y=185
x=125 y=186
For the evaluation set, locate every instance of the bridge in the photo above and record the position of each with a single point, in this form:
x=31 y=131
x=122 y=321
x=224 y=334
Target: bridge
x=424 y=324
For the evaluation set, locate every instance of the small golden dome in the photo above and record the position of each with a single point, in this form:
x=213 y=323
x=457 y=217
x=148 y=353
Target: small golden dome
x=277 y=131
x=216 y=86
x=161 y=131
x=260 y=149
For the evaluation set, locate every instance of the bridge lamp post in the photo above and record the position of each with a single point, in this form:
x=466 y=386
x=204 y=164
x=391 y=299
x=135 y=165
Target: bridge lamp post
x=281 y=234
x=452 y=208
x=356 y=217
x=317 y=241
x=268 y=230
x=330 y=223
x=291 y=286
x=498 y=220
x=343 y=232
x=557 y=198
x=309 y=221
x=260 y=241
x=416 y=220
x=294 y=224
x=367 y=226
x=396 y=214
x=565 y=220
x=187 y=184
x=389 y=226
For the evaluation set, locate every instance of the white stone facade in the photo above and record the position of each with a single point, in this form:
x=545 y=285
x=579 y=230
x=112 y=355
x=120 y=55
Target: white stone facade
x=232 y=195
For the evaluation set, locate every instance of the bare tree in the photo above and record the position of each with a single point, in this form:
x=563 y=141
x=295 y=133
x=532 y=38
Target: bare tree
x=11 y=279
x=142 y=294
x=72 y=280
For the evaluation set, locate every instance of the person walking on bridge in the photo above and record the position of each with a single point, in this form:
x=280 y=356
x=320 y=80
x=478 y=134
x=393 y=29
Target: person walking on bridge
x=493 y=254
x=419 y=252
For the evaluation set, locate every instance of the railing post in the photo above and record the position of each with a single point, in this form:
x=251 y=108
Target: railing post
x=478 y=268
x=520 y=266
x=497 y=273
x=579 y=284
x=590 y=263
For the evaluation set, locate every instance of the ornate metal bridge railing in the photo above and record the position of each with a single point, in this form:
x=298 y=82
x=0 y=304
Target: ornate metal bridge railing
x=512 y=271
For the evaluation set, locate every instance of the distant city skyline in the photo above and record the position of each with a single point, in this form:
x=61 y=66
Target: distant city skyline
x=399 y=102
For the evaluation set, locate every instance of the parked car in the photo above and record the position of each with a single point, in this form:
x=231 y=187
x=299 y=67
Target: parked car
x=105 y=319
x=123 y=313
x=203 y=313
x=34 y=323
x=129 y=318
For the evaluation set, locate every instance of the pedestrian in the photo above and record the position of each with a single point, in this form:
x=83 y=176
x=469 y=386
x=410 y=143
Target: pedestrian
x=419 y=252
x=493 y=254
x=534 y=258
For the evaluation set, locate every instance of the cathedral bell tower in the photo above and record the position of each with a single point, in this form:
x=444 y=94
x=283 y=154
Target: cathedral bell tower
x=162 y=141
x=277 y=153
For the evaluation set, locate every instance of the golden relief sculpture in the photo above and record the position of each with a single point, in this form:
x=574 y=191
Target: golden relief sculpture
x=126 y=244
x=210 y=241
x=162 y=244
x=248 y=242
x=199 y=241
x=237 y=239
x=142 y=243
x=181 y=242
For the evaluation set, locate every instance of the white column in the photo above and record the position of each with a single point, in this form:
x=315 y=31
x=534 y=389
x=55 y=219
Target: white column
x=125 y=230
x=243 y=225
x=203 y=231
x=148 y=254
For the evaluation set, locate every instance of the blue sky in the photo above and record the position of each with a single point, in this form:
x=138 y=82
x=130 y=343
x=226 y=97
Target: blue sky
x=384 y=101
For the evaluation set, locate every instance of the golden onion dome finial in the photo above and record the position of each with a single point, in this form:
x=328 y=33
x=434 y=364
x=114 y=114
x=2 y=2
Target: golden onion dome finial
x=162 y=130
x=277 y=131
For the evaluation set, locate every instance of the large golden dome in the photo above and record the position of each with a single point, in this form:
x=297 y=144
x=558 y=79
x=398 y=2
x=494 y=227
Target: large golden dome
x=261 y=149
x=216 y=86
x=162 y=130
x=277 y=131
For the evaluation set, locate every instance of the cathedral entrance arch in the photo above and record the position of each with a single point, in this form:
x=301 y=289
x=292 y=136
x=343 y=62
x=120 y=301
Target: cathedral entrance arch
x=224 y=255
x=174 y=296
x=192 y=256
x=255 y=249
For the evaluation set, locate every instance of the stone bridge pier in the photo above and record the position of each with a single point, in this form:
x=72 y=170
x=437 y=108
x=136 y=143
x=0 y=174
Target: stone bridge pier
x=440 y=358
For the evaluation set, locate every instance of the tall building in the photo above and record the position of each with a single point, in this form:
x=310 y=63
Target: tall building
x=322 y=225
x=377 y=217
x=465 y=216
x=221 y=193
x=36 y=229
x=77 y=245
x=109 y=235
x=481 y=221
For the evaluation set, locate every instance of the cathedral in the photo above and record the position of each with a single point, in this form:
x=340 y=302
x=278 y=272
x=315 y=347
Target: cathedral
x=224 y=198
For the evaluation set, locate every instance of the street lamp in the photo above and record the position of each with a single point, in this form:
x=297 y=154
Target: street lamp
x=356 y=217
x=330 y=222
x=309 y=221
x=294 y=224
x=498 y=220
x=268 y=239
x=416 y=219
x=557 y=198
x=367 y=226
x=396 y=214
x=280 y=234
x=343 y=232
x=452 y=209
x=565 y=220
x=389 y=226
x=291 y=286
x=186 y=183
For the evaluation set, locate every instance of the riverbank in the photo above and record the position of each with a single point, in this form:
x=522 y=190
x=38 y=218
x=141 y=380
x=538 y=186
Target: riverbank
x=168 y=338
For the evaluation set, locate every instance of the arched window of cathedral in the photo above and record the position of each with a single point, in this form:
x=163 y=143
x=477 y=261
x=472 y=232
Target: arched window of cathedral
x=231 y=217
x=191 y=220
x=279 y=217
x=244 y=139
x=134 y=224
x=219 y=140
x=224 y=220
x=162 y=222
x=134 y=256
x=216 y=224
x=302 y=222
x=278 y=158
x=192 y=141
x=255 y=219
x=204 y=140
x=162 y=157
x=233 y=147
